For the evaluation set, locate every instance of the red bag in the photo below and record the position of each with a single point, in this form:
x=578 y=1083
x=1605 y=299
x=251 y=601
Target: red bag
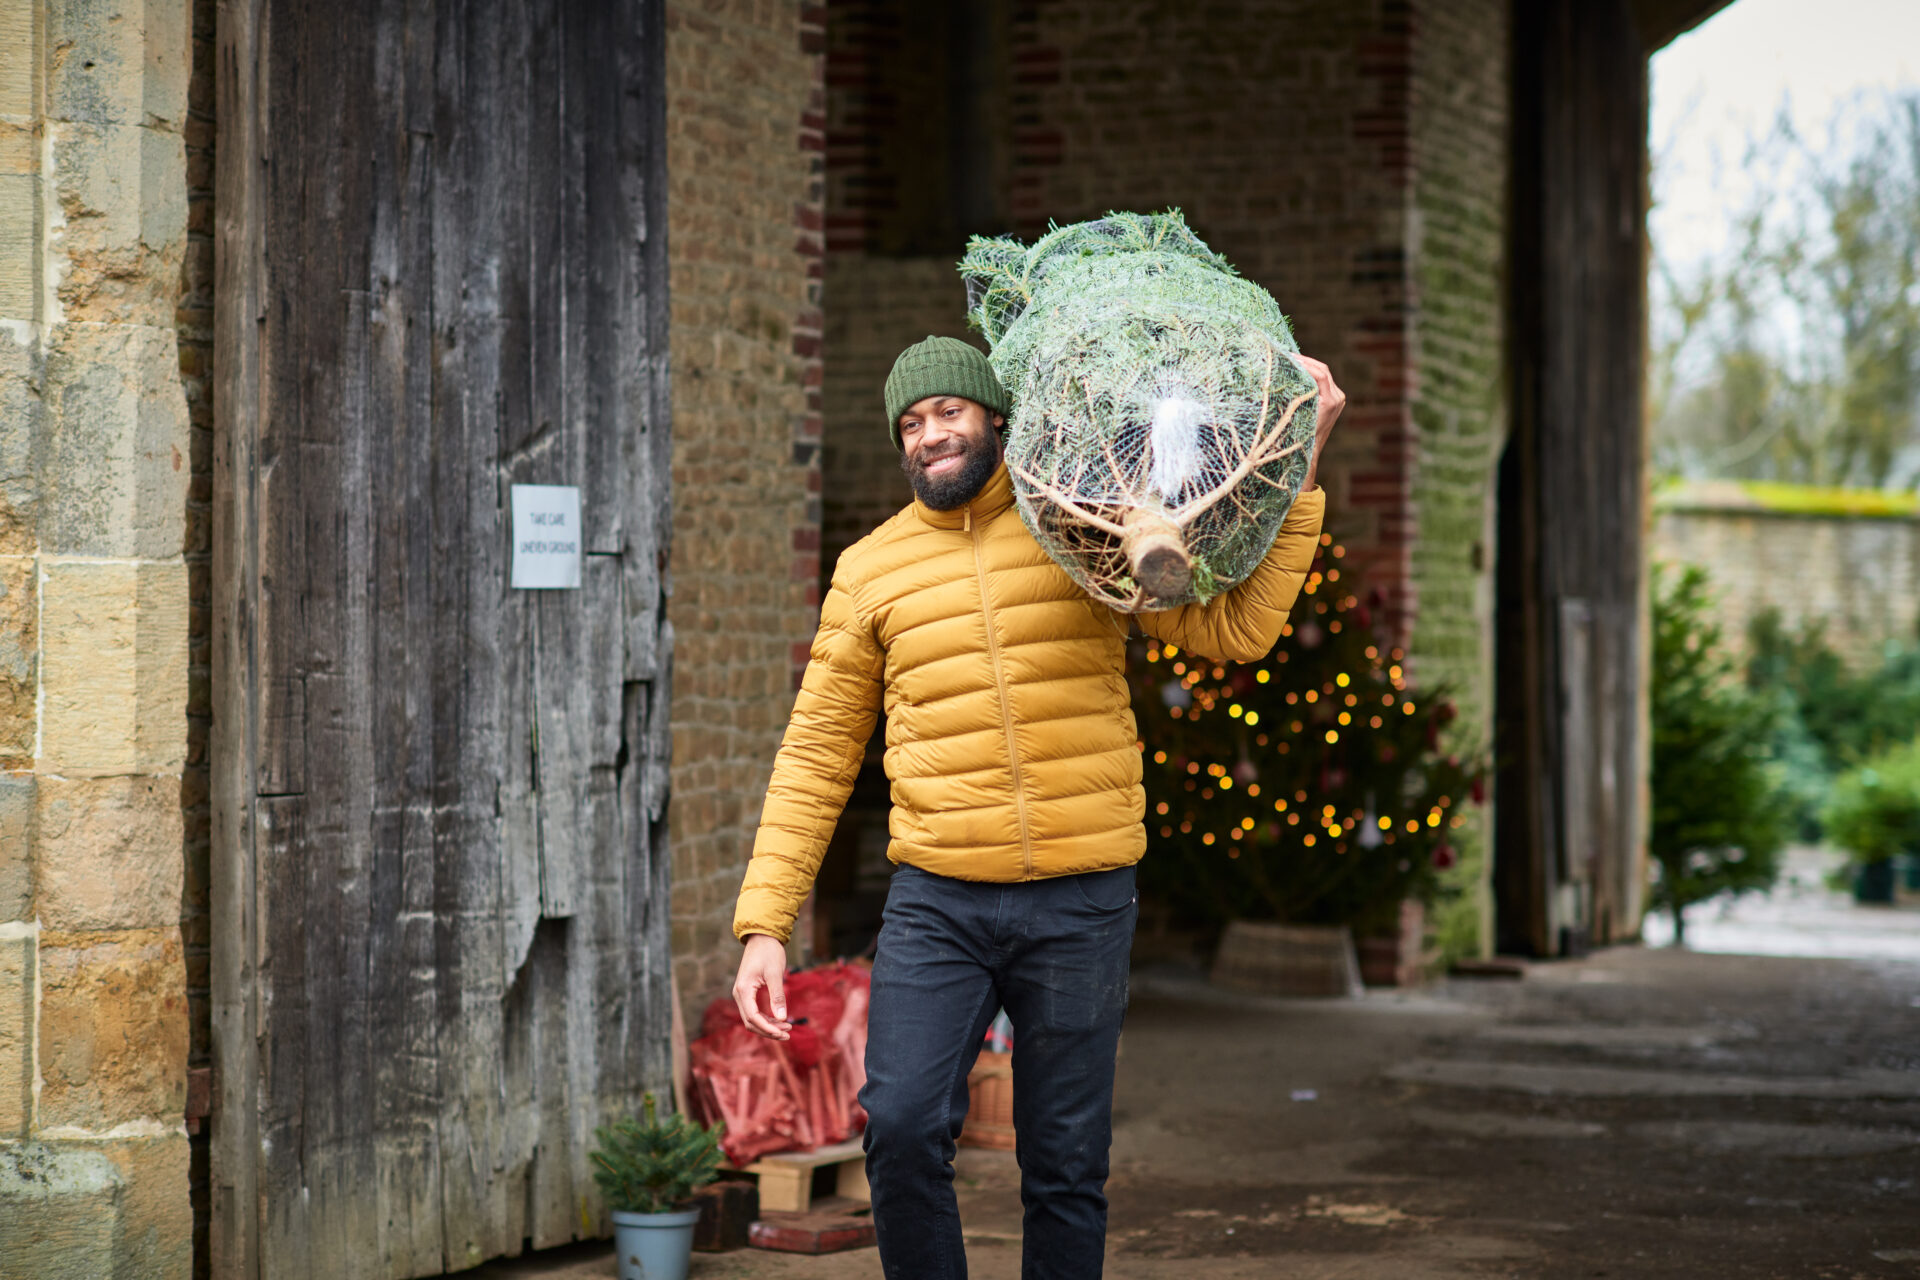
x=793 y=1095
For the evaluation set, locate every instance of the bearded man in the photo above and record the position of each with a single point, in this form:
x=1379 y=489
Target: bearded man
x=1016 y=822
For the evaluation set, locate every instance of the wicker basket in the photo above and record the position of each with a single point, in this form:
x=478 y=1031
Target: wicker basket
x=990 y=1103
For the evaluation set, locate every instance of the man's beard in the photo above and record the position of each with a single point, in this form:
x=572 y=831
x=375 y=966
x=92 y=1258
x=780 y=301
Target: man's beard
x=960 y=486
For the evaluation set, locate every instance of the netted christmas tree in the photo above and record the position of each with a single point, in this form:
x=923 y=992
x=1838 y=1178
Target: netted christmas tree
x=1162 y=423
x=1312 y=787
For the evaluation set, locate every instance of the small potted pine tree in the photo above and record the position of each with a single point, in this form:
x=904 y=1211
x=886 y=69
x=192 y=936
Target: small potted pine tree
x=647 y=1169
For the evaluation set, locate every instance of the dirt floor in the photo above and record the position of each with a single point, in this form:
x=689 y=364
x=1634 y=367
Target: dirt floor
x=1641 y=1113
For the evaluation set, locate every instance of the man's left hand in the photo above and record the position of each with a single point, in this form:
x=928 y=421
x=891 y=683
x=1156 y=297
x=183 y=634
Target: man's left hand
x=1332 y=401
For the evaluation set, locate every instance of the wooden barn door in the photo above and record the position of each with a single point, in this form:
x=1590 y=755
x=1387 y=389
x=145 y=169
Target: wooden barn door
x=440 y=877
x=1569 y=823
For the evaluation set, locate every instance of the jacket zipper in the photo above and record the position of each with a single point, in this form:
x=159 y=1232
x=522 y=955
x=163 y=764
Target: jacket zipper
x=1006 y=709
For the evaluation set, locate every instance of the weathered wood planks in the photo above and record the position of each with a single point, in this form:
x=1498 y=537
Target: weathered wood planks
x=440 y=926
x=1572 y=746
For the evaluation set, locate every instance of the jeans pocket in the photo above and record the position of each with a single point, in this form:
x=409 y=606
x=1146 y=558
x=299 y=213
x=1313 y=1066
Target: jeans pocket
x=1106 y=891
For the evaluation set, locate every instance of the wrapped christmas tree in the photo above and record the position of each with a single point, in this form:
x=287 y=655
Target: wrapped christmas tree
x=1162 y=423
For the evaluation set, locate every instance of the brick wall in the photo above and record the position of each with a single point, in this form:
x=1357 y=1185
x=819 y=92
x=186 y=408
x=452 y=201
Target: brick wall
x=878 y=306
x=1857 y=576
x=1282 y=132
x=746 y=126
x=1459 y=110
x=95 y=448
x=1350 y=157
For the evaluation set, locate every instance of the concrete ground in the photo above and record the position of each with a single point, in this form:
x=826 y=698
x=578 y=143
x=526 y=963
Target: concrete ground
x=1641 y=1114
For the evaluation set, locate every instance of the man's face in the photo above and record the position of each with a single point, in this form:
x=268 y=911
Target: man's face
x=949 y=449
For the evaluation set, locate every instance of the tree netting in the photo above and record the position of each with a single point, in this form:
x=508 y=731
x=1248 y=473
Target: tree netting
x=1162 y=424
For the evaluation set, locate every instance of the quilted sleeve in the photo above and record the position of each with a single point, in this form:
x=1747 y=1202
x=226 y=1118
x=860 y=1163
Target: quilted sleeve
x=825 y=741
x=1243 y=624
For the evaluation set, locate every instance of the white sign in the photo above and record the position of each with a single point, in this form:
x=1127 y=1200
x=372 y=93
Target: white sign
x=546 y=536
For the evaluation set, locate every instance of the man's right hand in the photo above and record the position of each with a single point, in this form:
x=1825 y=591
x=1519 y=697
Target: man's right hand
x=763 y=967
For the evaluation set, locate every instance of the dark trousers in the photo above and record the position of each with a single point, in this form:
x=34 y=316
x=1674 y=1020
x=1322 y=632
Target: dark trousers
x=951 y=953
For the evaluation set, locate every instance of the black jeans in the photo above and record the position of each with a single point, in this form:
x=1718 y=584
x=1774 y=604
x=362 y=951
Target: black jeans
x=952 y=952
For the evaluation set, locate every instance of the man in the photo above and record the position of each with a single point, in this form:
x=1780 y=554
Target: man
x=1016 y=818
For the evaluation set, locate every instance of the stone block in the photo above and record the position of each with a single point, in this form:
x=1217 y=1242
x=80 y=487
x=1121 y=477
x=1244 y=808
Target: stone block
x=114 y=668
x=20 y=417
x=153 y=1231
x=113 y=461
x=19 y=52
x=115 y=63
x=121 y=192
x=97 y=1210
x=108 y=852
x=17 y=983
x=19 y=245
x=19 y=660
x=16 y=827
x=113 y=1029
x=58 y=1203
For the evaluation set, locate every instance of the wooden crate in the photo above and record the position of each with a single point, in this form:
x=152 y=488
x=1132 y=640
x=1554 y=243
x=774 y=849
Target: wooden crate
x=990 y=1103
x=786 y=1179
x=1287 y=960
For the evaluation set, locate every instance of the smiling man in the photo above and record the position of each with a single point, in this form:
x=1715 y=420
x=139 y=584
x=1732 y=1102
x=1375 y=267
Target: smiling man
x=1016 y=823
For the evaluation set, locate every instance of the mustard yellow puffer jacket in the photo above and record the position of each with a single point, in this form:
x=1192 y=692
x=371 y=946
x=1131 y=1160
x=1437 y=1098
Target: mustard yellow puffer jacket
x=1011 y=745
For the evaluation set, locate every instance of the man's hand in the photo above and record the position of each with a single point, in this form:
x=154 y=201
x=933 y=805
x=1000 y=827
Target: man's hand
x=1332 y=401
x=763 y=967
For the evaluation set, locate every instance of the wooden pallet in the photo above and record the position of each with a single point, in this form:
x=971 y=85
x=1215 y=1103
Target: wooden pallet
x=786 y=1180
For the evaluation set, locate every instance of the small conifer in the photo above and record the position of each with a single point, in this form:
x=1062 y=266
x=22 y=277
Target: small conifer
x=652 y=1165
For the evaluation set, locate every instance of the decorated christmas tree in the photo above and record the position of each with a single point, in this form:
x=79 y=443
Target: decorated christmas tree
x=1311 y=787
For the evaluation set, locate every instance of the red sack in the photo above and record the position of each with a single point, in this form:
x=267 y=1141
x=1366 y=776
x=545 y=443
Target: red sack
x=793 y=1095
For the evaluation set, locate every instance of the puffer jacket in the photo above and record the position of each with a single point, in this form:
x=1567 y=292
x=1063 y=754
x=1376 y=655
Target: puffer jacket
x=1011 y=745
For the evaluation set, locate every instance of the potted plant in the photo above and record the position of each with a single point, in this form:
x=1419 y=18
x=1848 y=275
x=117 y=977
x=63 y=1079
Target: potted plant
x=647 y=1169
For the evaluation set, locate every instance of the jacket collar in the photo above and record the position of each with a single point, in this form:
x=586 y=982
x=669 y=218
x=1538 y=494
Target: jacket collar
x=996 y=497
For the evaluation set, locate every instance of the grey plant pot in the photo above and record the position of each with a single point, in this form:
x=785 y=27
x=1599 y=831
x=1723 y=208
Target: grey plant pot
x=654 y=1246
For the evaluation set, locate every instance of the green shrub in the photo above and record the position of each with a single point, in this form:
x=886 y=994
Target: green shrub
x=651 y=1166
x=1719 y=815
x=1874 y=812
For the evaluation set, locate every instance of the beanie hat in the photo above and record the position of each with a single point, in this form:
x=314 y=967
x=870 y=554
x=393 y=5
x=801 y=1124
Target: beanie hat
x=941 y=367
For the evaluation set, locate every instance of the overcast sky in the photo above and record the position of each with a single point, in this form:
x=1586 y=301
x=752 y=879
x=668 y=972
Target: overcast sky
x=1723 y=82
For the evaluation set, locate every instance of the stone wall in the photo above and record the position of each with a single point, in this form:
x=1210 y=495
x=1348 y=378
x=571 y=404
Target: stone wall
x=95 y=448
x=1853 y=573
x=744 y=163
x=1459 y=108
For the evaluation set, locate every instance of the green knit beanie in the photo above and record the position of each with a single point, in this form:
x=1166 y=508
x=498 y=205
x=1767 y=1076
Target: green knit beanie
x=942 y=367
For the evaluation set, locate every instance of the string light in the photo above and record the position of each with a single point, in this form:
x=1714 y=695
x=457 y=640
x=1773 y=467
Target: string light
x=1333 y=736
x=1307 y=840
